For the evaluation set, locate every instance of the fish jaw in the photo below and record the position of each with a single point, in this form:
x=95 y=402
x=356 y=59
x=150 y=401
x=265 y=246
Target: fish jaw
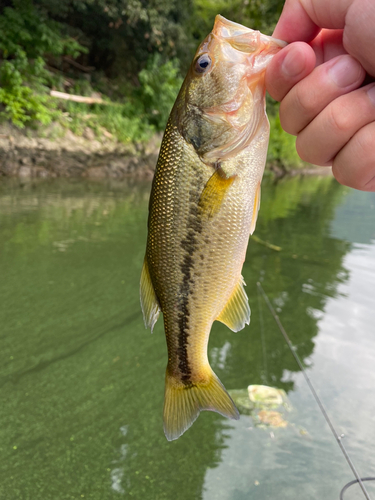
x=246 y=46
x=230 y=30
x=240 y=45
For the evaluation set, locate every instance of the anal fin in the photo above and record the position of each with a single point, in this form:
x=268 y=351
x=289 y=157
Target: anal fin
x=236 y=312
x=149 y=302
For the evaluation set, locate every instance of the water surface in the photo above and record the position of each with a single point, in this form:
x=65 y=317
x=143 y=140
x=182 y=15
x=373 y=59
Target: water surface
x=82 y=381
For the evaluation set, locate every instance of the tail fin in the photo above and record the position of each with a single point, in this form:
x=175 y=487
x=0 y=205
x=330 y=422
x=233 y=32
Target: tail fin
x=183 y=403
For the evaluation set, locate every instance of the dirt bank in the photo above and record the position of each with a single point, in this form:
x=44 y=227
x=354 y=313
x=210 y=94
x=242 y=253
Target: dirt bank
x=60 y=153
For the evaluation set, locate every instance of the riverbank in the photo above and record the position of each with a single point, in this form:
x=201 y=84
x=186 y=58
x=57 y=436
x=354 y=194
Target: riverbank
x=61 y=153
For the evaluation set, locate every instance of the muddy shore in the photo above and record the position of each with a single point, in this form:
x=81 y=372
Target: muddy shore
x=64 y=154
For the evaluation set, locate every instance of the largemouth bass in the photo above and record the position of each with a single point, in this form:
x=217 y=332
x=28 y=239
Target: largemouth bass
x=203 y=207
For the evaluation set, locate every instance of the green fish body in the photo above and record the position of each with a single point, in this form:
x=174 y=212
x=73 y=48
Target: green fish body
x=203 y=207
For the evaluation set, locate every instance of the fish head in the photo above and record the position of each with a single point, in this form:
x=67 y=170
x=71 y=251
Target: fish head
x=221 y=102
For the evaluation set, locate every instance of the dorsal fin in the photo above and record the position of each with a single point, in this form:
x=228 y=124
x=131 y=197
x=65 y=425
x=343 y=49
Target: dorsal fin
x=149 y=302
x=236 y=312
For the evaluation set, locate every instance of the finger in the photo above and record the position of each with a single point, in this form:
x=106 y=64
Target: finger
x=354 y=165
x=302 y=19
x=329 y=132
x=312 y=94
x=327 y=45
x=297 y=60
x=288 y=67
x=359 y=33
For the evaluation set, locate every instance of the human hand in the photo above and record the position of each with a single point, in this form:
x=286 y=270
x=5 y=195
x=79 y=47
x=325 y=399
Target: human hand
x=318 y=80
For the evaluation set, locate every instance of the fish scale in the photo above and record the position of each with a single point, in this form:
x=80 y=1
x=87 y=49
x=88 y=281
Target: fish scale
x=203 y=206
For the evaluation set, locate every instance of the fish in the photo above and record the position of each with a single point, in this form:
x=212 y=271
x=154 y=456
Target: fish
x=204 y=203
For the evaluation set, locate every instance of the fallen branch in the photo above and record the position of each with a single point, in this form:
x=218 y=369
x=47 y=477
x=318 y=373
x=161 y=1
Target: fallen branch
x=77 y=98
x=265 y=243
x=85 y=69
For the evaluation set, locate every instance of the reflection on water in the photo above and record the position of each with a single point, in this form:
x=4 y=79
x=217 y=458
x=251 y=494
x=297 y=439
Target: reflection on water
x=82 y=381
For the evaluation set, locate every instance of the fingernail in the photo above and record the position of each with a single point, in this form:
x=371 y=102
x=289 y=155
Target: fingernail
x=345 y=71
x=293 y=64
x=371 y=94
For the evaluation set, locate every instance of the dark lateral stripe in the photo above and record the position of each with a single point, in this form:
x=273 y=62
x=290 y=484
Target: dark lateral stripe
x=189 y=245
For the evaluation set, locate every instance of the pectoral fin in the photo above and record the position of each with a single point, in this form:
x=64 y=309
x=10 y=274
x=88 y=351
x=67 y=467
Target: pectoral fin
x=214 y=192
x=255 y=209
x=149 y=301
x=236 y=312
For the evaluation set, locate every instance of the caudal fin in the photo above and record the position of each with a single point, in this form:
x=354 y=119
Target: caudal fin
x=183 y=403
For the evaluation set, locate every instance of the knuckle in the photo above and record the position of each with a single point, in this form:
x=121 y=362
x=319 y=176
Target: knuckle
x=370 y=184
x=339 y=120
x=297 y=109
x=364 y=140
x=304 y=102
x=286 y=122
x=302 y=150
x=313 y=149
x=354 y=166
x=337 y=171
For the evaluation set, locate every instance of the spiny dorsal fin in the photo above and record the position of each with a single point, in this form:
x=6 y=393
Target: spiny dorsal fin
x=149 y=301
x=236 y=312
x=214 y=191
x=255 y=209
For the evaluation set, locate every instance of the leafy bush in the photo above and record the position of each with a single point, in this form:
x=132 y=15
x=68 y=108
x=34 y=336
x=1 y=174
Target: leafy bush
x=125 y=122
x=282 y=147
x=134 y=53
x=25 y=38
x=159 y=86
x=145 y=111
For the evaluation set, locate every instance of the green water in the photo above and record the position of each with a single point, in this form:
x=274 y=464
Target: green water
x=81 y=380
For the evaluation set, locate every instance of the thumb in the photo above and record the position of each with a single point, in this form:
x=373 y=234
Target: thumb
x=288 y=67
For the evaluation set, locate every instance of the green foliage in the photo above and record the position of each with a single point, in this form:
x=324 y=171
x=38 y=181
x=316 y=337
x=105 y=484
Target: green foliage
x=125 y=122
x=133 y=52
x=22 y=105
x=256 y=14
x=25 y=39
x=122 y=34
x=159 y=86
x=282 y=147
x=145 y=111
x=25 y=26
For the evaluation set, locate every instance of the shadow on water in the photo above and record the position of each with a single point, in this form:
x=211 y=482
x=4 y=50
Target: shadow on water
x=44 y=363
x=84 y=418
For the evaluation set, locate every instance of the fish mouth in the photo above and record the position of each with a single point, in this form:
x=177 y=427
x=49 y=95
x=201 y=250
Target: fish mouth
x=243 y=38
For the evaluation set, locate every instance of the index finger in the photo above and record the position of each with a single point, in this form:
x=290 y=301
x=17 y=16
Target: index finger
x=302 y=19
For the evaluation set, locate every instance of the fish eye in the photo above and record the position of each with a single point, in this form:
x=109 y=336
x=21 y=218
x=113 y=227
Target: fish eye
x=203 y=63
